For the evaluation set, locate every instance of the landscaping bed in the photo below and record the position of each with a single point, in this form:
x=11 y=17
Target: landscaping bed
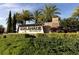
x=40 y=44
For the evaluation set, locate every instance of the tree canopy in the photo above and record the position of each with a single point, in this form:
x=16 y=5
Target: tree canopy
x=75 y=13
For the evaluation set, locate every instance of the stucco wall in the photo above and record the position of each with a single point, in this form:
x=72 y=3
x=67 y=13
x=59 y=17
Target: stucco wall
x=54 y=23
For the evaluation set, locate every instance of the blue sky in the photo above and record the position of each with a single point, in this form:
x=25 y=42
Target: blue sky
x=66 y=9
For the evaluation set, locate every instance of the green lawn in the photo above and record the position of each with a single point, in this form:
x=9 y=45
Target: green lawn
x=39 y=44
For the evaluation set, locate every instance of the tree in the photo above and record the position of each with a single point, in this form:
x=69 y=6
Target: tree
x=75 y=16
x=19 y=18
x=76 y=13
x=14 y=23
x=22 y=17
x=1 y=29
x=26 y=15
x=9 y=23
x=38 y=16
x=70 y=24
x=46 y=14
x=49 y=11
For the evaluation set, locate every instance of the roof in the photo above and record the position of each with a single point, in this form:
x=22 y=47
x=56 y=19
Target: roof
x=31 y=25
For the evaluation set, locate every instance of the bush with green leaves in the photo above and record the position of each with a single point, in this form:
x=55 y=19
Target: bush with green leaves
x=42 y=44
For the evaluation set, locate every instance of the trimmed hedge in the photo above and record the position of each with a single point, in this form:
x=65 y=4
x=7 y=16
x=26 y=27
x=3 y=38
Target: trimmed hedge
x=40 y=44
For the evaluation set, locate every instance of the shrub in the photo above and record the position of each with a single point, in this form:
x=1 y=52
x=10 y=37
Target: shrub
x=29 y=36
x=42 y=44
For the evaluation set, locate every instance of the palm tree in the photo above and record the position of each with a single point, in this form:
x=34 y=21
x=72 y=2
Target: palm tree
x=22 y=17
x=26 y=15
x=38 y=16
x=19 y=18
x=76 y=13
x=49 y=11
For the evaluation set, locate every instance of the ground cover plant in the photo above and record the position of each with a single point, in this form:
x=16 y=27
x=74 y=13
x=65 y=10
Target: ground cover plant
x=40 y=44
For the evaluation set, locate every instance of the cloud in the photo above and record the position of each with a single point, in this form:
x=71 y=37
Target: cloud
x=8 y=5
x=16 y=7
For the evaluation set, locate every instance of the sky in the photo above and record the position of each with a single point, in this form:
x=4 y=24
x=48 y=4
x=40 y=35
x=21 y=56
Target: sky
x=66 y=9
